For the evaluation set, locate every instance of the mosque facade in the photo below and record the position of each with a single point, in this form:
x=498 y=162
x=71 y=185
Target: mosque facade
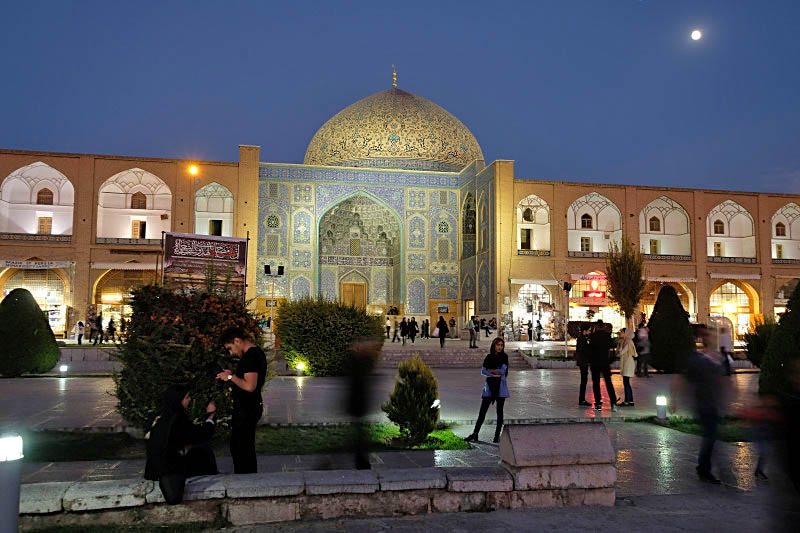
x=394 y=205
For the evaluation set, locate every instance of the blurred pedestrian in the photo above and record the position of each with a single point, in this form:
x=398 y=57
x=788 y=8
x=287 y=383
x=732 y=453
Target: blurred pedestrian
x=396 y=336
x=81 y=331
x=495 y=389
x=364 y=352
x=403 y=330
x=600 y=345
x=765 y=421
x=413 y=329
x=538 y=330
x=643 y=349
x=470 y=327
x=98 y=327
x=426 y=329
x=627 y=364
x=442 y=329
x=452 y=328
x=582 y=360
x=111 y=330
x=388 y=327
x=530 y=330
x=483 y=326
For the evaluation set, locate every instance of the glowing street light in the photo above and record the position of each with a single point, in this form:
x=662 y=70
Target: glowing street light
x=193 y=170
x=697 y=35
x=661 y=407
x=63 y=369
x=10 y=474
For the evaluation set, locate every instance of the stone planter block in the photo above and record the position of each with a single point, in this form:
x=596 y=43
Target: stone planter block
x=265 y=485
x=563 y=477
x=341 y=481
x=411 y=478
x=485 y=479
x=41 y=498
x=556 y=444
x=92 y=495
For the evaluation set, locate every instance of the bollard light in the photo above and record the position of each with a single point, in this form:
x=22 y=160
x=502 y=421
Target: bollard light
x=63 y=369
x=10 y=475
x=436 y=404
x=301 y=366
x=541 y=352
x=661 y=407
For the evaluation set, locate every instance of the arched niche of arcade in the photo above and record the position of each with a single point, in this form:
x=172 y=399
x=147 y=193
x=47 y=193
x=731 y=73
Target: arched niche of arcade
x=360 y=251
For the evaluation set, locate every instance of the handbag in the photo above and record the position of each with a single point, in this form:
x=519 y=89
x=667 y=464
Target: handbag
x=436 y=332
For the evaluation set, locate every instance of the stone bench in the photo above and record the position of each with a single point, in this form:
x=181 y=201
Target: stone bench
x=542 y=465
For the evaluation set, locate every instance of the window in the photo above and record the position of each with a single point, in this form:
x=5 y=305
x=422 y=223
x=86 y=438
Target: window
x=778 y=250
x=586 y=221
x=586 y=244
x=444 y=227
x=215 y=227
x=273 y=221
x=719 y=227
x=780 y=229
x=527 y=215
x=272 y=244
x=525 y=239
x=717 y=249
x=138 y=229
x=355 y=247
x=444 y=250
x=44 y=197
x=655 y=224
x=273 y=190
x=443 y=197
x=442 y=292
x=45 y=226
x=654 y=247
x=138 y=201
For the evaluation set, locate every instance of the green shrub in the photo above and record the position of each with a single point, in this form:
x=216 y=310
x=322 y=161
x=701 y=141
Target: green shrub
x=410 y=406
x=321 y=332
x=27 y=344
x=173 y=338
x=781 y=362
x=671 y=337
x=758 y=339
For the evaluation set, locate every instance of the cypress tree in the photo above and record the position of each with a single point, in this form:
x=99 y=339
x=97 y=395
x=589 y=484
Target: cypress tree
x=781 y=364
x=27 y=344
x=671 y=337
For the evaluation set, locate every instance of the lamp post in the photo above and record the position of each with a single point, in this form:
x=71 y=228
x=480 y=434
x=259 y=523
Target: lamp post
x=567 y=288
x=10 y=473
x=269 y=274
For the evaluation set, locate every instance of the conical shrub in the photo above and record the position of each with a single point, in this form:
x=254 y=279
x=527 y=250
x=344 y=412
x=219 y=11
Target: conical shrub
x=27 y=344
x=781 y=364
x=410 y=406
x=671 y=338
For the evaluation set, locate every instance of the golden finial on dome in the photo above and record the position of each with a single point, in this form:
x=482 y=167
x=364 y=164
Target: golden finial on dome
x=394 y=77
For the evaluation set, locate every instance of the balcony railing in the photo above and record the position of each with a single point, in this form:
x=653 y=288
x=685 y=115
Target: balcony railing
x=587 y=254
x=718 y=259
x=119 y=240
x=785 y=261
x=37 y=237
x=538 y=253
x=667 y=257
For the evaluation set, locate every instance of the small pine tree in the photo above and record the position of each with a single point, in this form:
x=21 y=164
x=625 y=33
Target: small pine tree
x=671 y=337
x=758 y=338
x=410 y=406
x=625 y=274
x=782 y=359
x=27 y=344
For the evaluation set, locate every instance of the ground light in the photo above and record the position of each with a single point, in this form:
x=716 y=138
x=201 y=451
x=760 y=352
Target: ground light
x=10 y=471
x=661 y=407
x=301 y=367
x=63 y=369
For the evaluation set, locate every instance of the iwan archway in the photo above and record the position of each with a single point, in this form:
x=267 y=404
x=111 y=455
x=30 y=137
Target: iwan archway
x=360 y=250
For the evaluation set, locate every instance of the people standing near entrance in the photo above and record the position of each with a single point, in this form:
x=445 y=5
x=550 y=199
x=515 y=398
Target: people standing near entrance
x=627 y=364
x=442 y=330
x=600 y=345
x=495 y=389
x=471 y=328
x=538 y=330
x=98 y=328
x=452 y=328
x=81 y=331
x=247 y=381
x=413 y=329
x=582 y=360
x=403 y=330
x=111 y=330
x=388 y=327
x=396 y=331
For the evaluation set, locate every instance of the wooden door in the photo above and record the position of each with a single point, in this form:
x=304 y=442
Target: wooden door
x=354 y=294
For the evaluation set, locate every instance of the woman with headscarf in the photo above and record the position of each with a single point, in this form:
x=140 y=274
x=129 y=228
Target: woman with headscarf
x=177 y=448
x=441 y=327
x=627 y=364
x=495 y=389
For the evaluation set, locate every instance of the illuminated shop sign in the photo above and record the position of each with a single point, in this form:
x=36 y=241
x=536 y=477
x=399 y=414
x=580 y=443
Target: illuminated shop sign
x=594 y=294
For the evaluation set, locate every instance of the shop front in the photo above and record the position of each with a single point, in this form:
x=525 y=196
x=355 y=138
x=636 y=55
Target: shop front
x=112 y=295
x=588 y=300
x=736 y=301
x=785 y=290
x=683 y=288
x=535 y=304
x=47 y=282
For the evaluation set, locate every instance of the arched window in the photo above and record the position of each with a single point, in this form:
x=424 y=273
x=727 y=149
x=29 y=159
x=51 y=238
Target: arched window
x=780 y=229
x=138 y=201
x=655 y=224
x=527 y=215
x=719 y=227
x=44 y=197
x=586 y=221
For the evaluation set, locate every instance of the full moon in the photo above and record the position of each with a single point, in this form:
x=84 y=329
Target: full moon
x=696 y=35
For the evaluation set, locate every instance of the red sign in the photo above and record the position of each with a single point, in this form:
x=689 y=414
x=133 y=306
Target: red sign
x=594 y=294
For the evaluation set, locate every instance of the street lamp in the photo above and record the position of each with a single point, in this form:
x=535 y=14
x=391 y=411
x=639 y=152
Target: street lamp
x=269 y=274
x=10 y=473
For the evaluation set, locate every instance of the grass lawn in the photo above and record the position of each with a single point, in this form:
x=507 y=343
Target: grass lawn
x=47 y=446
x=731 y=429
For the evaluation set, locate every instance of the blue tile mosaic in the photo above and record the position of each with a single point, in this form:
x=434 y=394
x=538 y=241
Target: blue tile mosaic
x=417 y=302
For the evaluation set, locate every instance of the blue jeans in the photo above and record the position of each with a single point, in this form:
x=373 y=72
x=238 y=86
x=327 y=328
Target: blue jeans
x=626 y=383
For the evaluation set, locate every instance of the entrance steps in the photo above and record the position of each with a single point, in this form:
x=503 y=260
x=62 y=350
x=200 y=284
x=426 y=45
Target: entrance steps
x=434 y=357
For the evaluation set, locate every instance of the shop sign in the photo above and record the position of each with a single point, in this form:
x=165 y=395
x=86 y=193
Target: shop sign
x=594 y=294
x=443 y=308
x=35 y=265
x=188 y=259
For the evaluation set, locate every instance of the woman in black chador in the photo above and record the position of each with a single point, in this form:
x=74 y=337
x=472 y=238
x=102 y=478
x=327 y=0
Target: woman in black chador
x=495 y=368
x=177 y=448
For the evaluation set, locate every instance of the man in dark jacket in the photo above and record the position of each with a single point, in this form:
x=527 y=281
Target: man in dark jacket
x=582 y=359
x=600 y=344
x=403 y=330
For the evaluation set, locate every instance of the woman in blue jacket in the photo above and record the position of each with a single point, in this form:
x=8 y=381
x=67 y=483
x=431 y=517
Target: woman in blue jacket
x=495 y=368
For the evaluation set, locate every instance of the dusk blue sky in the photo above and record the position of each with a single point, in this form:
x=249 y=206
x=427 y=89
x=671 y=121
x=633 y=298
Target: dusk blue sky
x=595 y=91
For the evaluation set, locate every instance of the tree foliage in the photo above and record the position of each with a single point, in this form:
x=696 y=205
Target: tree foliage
x=173 y=337
x=780 y=369
x=27 y=344
x=757 y=340
x=320 y=333
x=671 y=337
x=625 y=275
x=410 y=406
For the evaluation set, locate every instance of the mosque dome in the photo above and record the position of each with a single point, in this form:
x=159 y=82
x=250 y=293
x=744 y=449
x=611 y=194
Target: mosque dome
x=394 y=129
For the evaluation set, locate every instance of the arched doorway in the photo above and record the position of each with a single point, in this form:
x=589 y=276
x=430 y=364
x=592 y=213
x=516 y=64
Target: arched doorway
x=49 y=288
x=360 y=253
x=736 y=301
x=112 y=294
x=652 y=289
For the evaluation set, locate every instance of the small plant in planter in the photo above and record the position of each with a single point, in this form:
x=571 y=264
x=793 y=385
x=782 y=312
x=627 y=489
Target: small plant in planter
x=413 y=405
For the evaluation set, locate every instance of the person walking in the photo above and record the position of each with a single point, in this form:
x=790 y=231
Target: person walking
x=443 y=330
x=530 y=330
x=582 y=360
x=476 y=328
x=495 y=389
x=538 y=330
x=471 y=330
x=452 y=328
x=403 y=330
x=98 y=326
x=627 y=365
x=111 y=330
x=413 y=329
x=483 y=326
x=396 y=331
x=425 y=334
x=643 y=349
x=81 y=331
x=600 y=344
x=726 y=347
x=388 y=327
x=247 y=382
